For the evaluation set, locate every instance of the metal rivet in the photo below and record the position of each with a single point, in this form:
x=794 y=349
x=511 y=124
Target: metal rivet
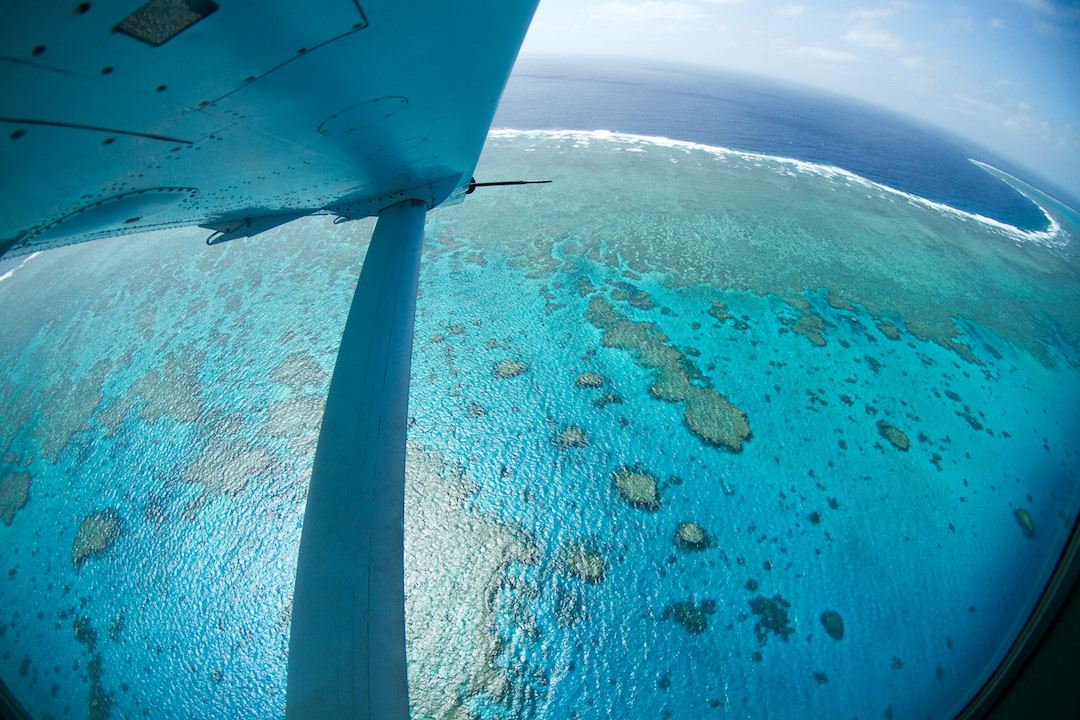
x=39 y=49
x=161 y=88
x=81 y=8
x=106 y=70
x=108 y=141
x=18 y=134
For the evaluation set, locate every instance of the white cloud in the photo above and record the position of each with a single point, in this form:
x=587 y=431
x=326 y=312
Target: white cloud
x=872 y=13
x=873 y=37
x=824 y=54
x=961 y=23
x=648 y=11
x=997 y=24
x=1039 y=6
x=789 y=10
x=1062 y=15
x=917 y=63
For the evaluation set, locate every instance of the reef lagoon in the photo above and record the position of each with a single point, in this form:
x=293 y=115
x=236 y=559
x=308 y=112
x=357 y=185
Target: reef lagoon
x=693 y=432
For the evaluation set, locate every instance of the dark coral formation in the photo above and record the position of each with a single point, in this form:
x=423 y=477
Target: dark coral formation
x=1025 y=521
x=709 y=415
x=14 y=492
x=810 y=326
x=693 y=618
x=85 y=633
x=590 y=380
x=570 y=608
x=607 y=399
x=98 y=532
x=585 y=563
x=833 y=624
x=691 y=536
x=631 y=294
x=719 y=311
x=774 y=618
x=838 y=302
x=570 y=436
x=637 y=488
x=893 y=435
x=889 y=330
x=509 y=368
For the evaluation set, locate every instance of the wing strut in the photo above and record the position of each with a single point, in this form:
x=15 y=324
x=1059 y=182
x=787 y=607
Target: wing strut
x=347 y=642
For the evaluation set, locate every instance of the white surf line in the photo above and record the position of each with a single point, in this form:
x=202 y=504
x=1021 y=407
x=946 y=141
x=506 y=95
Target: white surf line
x=1054 y=236
x=11 y=272
x=1034 y=194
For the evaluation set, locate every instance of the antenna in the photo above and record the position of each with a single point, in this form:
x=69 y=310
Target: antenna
x=473 y=184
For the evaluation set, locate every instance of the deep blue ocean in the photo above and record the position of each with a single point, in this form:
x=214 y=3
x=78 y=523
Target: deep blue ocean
x=845 y=353
x=759 y=115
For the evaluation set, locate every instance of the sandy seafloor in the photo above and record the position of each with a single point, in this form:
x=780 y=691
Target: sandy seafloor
x=180 y=386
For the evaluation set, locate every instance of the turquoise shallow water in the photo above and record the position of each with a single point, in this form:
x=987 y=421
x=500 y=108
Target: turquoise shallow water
x=181 y=386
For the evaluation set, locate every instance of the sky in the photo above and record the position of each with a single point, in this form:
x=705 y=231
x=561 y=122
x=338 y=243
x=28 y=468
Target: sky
x=1002 y=73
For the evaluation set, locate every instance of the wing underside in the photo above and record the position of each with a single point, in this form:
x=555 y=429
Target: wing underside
x=240 y=111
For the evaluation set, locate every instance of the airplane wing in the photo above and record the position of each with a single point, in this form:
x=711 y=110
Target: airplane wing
x=124 y=115
x=121 y=116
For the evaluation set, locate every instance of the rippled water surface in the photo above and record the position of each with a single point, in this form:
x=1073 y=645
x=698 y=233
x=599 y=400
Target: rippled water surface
x=693 y=431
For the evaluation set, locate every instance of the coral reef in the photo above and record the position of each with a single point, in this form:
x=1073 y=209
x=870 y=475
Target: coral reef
x=714 y=419
x=584 y=562
x=889 y=330
x=590 y=380
x=833 y=624
x=291 y=417
x=694 y=618
x=637 y=488
x=709 y=415
x=719 y=311
x=226 y=467
x=298 y=370
x=455 y=563
x=1025 y=521
x=809 y=326
x=631 y=294
x=509 y=368
x=774 y=618
x=570 y=436
x=691 y=536
x=98 y=532
x=893 y=435
x=69 y=407
x=570 y=607
x=838 y=302
x=607 y=399
x=14 y=492
x=172 y=389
